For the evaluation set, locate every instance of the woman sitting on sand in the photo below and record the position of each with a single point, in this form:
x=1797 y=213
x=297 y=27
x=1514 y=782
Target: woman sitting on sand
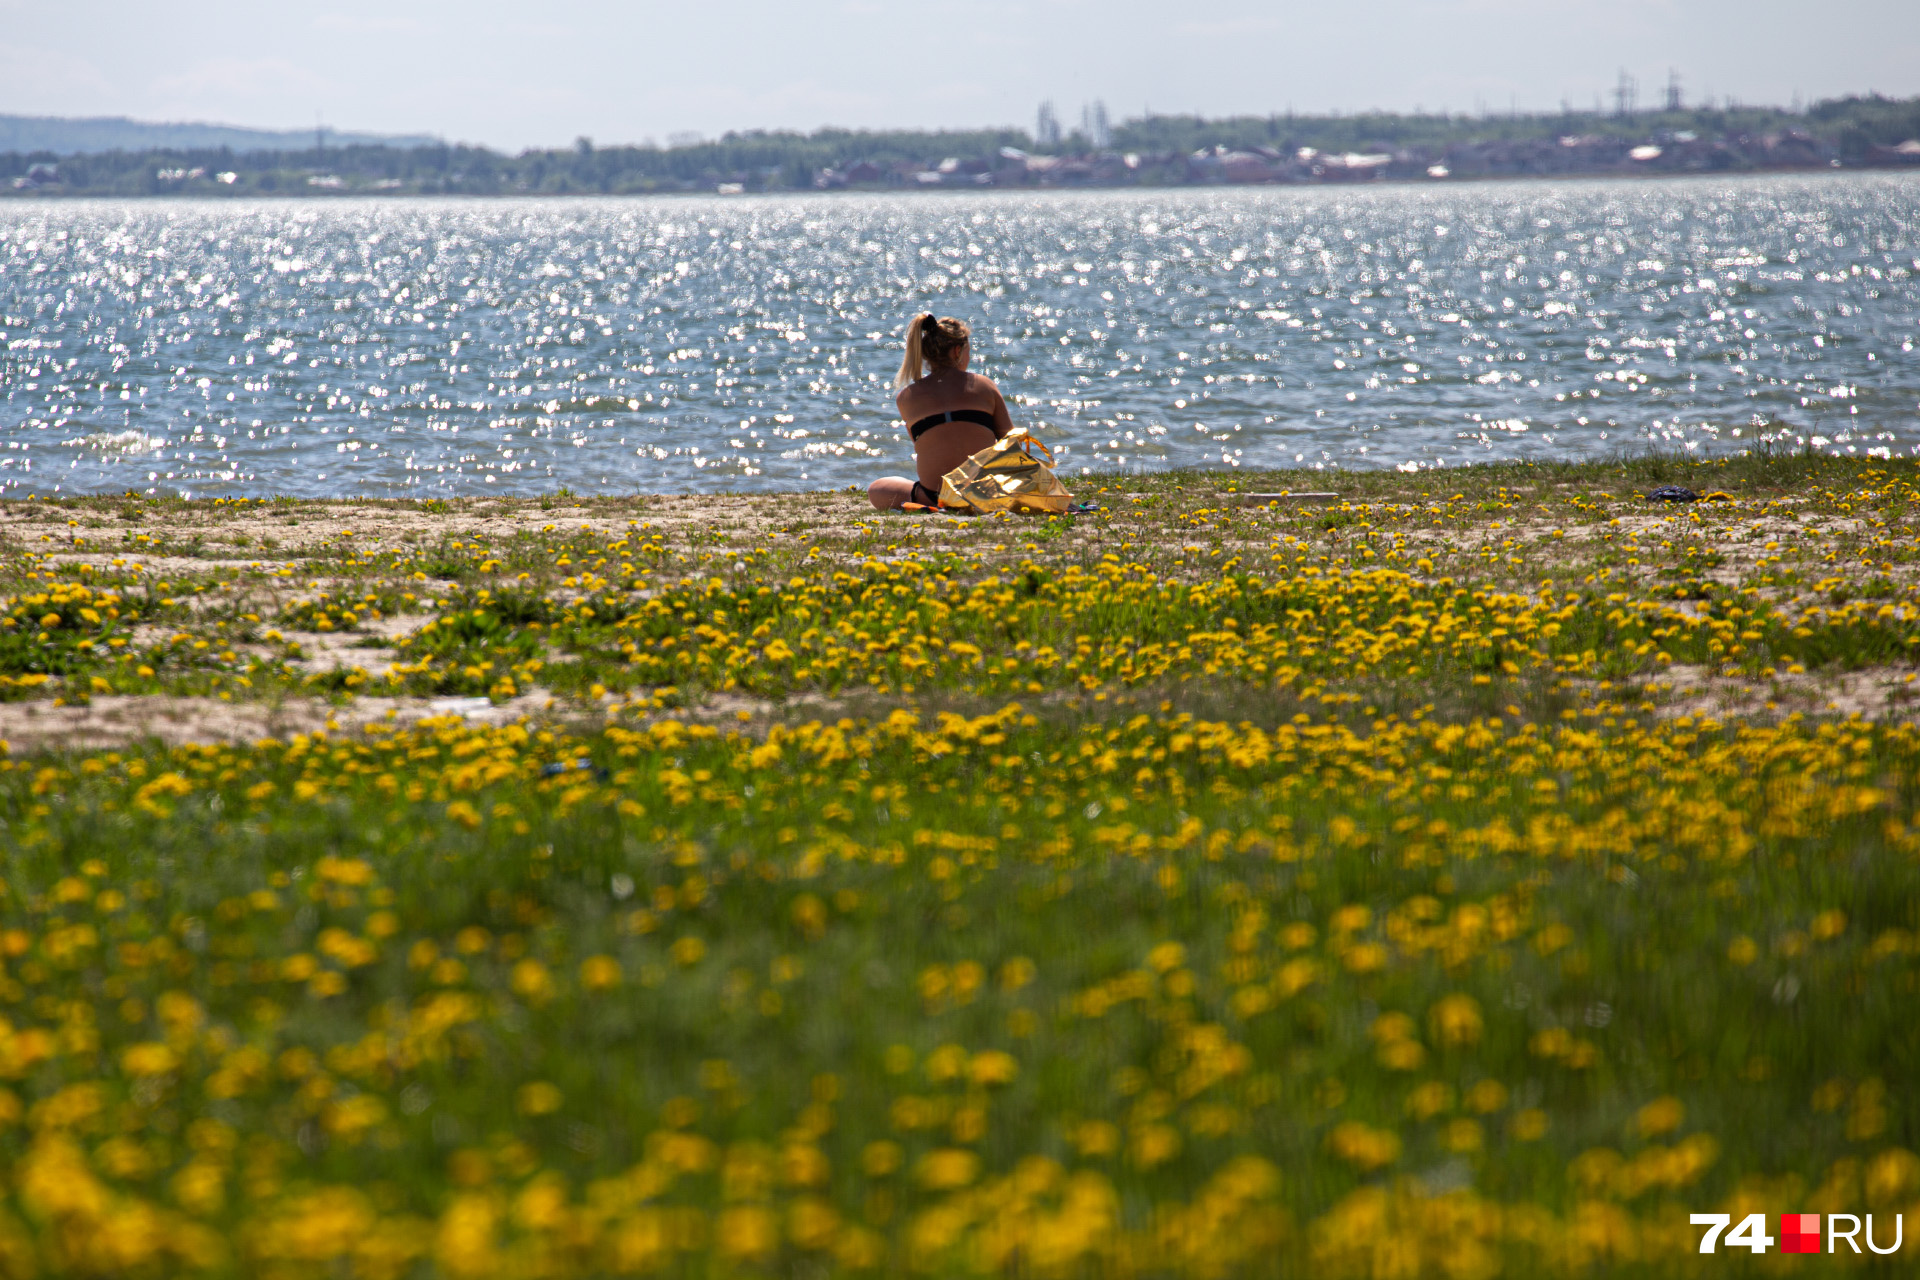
x=954 y=413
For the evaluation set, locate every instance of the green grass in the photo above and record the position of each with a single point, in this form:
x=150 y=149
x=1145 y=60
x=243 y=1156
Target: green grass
x=1629 y=972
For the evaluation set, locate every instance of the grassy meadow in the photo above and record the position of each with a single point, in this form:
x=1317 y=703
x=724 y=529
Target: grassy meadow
x=1471 y=878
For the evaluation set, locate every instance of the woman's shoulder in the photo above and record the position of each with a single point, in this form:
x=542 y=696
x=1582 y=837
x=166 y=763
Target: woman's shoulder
x=933 y=397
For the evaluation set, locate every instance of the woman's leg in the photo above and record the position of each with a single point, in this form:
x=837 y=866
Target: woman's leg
x=889 y=492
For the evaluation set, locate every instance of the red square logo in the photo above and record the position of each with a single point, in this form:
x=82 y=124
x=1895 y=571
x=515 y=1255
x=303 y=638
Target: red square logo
x=1800 y=1233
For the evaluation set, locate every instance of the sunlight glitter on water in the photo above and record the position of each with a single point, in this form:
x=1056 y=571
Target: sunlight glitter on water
x=678 y=344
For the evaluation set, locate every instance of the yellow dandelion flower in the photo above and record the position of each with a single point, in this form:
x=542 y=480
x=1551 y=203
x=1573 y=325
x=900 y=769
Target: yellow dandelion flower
x=1455 y=1021
x=947 y=1169
x=150 y=1058
x=599 y=973
x=1659 y=1117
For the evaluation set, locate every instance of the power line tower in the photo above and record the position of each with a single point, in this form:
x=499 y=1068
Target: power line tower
x=1094 y=126
x=1626 y=95
x=1046 y=126
x=1674 y=102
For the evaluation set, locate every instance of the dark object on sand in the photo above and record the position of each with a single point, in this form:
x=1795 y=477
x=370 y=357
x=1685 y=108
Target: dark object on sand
x=561 y=767
x=1673 y=493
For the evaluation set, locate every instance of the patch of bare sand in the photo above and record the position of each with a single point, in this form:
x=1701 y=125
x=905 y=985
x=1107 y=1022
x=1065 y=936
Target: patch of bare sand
x=324 y=651
x=281 y=534
x=1873 y=693
x=395 y=625
x=264 y=541
x=118 y=721
x=369 y=648
x=162 y=566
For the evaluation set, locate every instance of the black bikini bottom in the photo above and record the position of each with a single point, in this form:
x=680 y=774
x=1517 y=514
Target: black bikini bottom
x=932 y=498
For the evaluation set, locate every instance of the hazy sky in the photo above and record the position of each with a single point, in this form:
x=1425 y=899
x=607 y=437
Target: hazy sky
x=515 y=74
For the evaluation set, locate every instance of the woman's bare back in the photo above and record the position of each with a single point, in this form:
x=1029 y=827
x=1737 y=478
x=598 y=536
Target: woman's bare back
x=945 y=446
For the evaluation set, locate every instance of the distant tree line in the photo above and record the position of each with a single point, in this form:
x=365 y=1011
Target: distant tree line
x=67 y=136
x=1153 y=149
x=1851 y=125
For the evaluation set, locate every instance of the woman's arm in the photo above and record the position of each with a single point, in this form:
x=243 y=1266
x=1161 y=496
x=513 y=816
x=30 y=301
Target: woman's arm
x=1003 y=421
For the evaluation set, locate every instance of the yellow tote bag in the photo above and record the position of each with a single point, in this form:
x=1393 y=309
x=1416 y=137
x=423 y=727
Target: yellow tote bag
x=1006 y=476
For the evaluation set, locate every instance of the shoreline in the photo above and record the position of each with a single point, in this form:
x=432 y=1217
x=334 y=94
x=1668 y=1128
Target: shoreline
x=324 y=195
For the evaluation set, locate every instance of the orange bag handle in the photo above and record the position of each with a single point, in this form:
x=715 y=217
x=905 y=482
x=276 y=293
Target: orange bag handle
x=1030 y=442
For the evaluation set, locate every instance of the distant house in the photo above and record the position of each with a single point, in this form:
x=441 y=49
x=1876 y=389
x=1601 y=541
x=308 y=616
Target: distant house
x=1351 y=167
x=38 y=175
x=1907 y=152
x=1247 y=166
x=1791 y=147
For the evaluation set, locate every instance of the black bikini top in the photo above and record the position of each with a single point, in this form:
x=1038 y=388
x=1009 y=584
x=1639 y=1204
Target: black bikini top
x=980 y=416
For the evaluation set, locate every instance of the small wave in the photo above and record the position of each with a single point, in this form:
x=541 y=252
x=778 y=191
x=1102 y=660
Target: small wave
x=592 y=404
x=131 y=444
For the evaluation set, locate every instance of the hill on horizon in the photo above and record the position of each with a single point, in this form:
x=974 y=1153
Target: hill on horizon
x=67 y=136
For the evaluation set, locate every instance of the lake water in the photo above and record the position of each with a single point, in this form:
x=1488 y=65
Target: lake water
x=676 y=344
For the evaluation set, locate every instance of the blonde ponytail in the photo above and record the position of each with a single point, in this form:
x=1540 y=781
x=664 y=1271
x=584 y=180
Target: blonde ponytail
x=930 y=341
x=910 y=366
